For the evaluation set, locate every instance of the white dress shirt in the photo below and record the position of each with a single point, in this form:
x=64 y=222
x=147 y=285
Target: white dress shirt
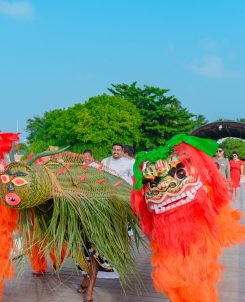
x=122 y=166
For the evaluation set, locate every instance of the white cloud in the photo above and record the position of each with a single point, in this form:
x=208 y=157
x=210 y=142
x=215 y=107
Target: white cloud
x=213 y=66
x=16 y=9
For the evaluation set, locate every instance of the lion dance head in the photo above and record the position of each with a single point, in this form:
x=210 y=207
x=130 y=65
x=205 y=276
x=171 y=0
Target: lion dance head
x=183 y=204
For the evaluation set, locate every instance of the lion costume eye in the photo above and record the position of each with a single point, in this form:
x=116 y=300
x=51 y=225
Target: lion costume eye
x=181 y=173
x=5 y=178
x=19 y=181
x=178 y=172
x=153 y=184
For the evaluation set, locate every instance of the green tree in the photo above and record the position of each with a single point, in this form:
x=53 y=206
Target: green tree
x=199 y=120
x=35 y=128
x=21 y=147
x=162 y=115
x=106 y=119
x=94 y=125
x=56 y=127
x=45 y=128
x=234 y=144
x=61 y=125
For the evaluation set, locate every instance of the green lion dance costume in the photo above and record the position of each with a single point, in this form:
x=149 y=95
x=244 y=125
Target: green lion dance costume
x=65 y=207
x=183 y=203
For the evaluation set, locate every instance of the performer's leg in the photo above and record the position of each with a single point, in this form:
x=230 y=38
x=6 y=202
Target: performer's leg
x=236 y=194
x=84 y=285
x=233 y=194
x=93 y=270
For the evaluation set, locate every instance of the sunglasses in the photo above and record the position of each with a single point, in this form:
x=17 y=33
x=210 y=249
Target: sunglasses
x=220 y=151
x=234 y=155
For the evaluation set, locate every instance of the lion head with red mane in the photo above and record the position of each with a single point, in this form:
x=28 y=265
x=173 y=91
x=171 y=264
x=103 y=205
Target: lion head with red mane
x=183 y=203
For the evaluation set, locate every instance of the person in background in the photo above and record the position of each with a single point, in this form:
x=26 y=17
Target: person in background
x=222 y=163
x=89 y=159
x=121 y=165
x=128 y=151
x=88 y=156
x=236 y=170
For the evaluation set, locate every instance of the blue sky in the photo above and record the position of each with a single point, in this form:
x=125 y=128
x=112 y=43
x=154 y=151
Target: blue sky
x=54 y=54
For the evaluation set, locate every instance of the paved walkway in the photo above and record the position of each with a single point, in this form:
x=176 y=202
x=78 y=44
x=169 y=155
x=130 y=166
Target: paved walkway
x=52 y=288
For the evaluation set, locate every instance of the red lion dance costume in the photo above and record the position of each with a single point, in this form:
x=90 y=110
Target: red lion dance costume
x=7 y=225
x=184 y=210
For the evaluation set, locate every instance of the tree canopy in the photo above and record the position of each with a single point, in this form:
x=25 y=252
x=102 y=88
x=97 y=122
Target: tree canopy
x=234 y=145
x=199 y=120
x=143 y=117
x=95 y=125
x=162 y=115
x=107 y=119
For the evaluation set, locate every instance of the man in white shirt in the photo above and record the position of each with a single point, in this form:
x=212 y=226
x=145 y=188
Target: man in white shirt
x=121 y=165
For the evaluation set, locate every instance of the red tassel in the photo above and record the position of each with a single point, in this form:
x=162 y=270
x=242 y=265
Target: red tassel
x=29 y=157
x=68 y=165
x=101 y=181
x=61 y=171
x=85 y=166
x=40 y=161
x=84 y=177
x=118 y=183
